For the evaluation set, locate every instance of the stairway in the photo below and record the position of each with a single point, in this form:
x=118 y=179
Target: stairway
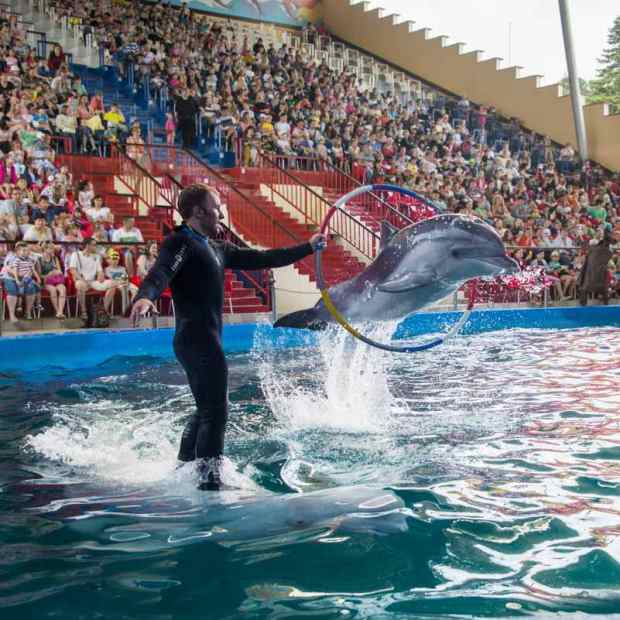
x=56 y=33
x=338 y=264
x=240 y=295
x=239 y=298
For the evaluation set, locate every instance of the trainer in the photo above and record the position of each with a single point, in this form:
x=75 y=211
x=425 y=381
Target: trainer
x=192 y=263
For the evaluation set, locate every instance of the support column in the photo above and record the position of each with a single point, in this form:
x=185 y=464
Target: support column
x=575 y=93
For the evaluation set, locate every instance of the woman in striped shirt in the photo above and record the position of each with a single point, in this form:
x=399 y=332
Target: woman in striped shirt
x=20 y=278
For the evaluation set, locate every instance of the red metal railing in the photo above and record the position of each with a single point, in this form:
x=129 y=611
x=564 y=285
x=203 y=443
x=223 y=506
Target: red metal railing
x=142 y=189
x=177 y=168
x=253 y=221
x=158 y=195
x=289 y=189
x=399 y=211
x=147 y=189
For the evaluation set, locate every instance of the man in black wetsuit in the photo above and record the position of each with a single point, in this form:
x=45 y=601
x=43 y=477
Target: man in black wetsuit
x=193 y=264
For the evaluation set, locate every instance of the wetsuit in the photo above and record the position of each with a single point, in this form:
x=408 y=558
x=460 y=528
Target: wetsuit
x=193 y=266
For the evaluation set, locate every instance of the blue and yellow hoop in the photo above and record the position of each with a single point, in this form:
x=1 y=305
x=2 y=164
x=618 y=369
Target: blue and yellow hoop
x=327 y=300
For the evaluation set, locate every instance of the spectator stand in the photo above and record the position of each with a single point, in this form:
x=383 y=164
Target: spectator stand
x=484 y=131
x=42 y=306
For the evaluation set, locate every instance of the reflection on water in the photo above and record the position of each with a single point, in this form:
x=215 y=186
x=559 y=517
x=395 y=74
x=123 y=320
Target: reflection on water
x=480 y=479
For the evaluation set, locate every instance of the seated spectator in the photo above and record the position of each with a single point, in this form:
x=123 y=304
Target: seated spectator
x=56 y=193
x=250 y=148
x=64 y=177
x=39 y=231
x=92 y=132
x=71 y=233
x=87 y=273
x=53 y=279
x=8 y=228
x=55 y=59
x=100 y=232
x=8 y=215
x=99 y=213
x=560 y=275
x=44 y=210
x=85 y=194
x=61 y=83
x=96 y=103
x=66 y=126
x=117 y=275
x=146 y=259
x=128 y=233
x=61 y=222
x=80 y=219
x=77 y=87
x=135 y=145
x=20 y=277
x=116 y=126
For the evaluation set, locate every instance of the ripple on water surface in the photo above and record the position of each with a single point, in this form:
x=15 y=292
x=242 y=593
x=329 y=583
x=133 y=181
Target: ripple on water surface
x=482 y=478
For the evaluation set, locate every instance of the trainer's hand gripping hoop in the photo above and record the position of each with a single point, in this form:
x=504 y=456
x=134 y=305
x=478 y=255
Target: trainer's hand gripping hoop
x=327 y=300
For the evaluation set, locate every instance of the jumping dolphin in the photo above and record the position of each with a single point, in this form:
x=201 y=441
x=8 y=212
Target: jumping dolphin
x=418 y=266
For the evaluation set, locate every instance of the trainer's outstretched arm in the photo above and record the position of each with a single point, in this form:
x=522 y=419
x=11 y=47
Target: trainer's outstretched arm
x=244 y=258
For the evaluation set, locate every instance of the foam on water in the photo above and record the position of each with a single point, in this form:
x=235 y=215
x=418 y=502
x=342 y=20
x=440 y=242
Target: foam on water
x=111 y=440
x=117 y=442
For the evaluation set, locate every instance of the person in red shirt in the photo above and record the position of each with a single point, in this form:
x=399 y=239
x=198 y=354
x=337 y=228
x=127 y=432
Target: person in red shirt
x=525 y=239
x=96 y=103
x=56 y=59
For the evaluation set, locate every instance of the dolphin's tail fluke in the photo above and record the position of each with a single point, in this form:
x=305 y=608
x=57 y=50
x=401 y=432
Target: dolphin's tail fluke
x=302 y=319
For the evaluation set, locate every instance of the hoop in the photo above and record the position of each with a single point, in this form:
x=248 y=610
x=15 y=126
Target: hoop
x=329 y=304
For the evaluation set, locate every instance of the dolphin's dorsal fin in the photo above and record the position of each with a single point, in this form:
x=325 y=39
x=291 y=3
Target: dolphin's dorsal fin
x=387 y=232
x=408 y=281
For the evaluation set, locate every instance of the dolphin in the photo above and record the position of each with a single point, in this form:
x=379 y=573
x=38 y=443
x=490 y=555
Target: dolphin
x=418 y=266
x=230 y=518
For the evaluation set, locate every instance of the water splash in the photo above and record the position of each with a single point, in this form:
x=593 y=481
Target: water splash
x=111 y=441
x=508 y=458
x=344 y=385
x=120 y=443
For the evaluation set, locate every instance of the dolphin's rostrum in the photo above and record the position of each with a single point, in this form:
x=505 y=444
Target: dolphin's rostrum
x=420 y=265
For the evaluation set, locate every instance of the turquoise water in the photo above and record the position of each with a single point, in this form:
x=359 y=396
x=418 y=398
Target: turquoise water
x=481 y=479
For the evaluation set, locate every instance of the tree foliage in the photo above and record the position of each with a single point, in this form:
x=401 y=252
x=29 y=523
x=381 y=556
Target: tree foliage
x=584 y=86
x=606 y=86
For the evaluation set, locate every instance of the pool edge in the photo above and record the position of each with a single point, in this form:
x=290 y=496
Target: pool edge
x=85 y=348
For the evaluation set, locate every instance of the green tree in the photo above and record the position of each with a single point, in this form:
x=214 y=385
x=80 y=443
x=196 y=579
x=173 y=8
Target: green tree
x=606 y=86
x=584 y=86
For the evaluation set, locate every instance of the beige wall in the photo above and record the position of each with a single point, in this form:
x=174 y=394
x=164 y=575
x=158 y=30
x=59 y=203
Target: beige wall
x=539 y=109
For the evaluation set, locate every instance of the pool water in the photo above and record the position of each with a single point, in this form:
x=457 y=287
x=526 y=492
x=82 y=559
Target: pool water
x=479 y=479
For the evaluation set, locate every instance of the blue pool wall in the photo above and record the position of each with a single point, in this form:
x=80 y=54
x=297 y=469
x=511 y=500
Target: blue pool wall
x=87 y=348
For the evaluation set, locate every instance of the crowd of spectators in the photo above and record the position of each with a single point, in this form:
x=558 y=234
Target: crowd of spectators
x=28 y=270
x=45 y=216
x=463 y=157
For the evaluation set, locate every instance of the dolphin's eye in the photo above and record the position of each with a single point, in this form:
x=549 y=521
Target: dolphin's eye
x=460 y=251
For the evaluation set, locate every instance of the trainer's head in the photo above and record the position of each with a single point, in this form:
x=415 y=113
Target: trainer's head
x=200 y=207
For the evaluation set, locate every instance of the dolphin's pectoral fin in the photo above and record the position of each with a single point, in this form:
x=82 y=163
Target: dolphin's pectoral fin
x=387 y=233
x=302 y=319
x=408 y=281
